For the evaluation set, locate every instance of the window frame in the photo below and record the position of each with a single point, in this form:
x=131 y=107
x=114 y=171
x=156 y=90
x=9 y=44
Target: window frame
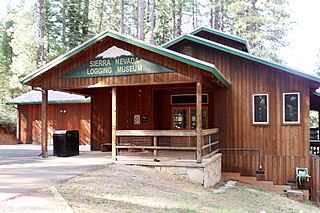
x=254 y=110
x=182 y=104
x=284 y=108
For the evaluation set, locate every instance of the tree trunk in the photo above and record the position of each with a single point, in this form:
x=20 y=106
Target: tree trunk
x=152 y=22
x=141 y=19
x=216 y=15
x=85 y=24
x=173 y=18
x=179 y=19
x=101 y=16
x=63 y=11
x=121 y=16
x=41 y=33
x=211 y=21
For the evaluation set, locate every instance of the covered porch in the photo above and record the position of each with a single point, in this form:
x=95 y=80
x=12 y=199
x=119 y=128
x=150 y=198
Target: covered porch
x=147 y=102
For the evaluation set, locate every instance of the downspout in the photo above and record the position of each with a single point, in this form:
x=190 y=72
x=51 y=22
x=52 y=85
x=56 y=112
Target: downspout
x=260 y=167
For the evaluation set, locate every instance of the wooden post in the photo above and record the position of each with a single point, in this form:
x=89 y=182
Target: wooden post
x=18 y=135
x=199 y=122
x=114 y=122
x=318 y=130
x=155 y=151
x=44 y=124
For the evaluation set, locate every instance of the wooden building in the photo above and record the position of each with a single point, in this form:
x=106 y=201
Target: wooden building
x=182 y=95
x=265 y=113
x=65 y=111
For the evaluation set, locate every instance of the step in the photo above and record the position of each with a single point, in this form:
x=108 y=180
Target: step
x=297 y=195
x=268 y=185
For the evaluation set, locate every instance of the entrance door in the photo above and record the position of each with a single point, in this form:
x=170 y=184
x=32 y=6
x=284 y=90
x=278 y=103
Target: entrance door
x=185 y=118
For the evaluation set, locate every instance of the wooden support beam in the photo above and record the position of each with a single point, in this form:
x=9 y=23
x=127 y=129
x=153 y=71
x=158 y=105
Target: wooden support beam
x=44 y=124
x=155 y=144
x=114 y=122
x=199 y=121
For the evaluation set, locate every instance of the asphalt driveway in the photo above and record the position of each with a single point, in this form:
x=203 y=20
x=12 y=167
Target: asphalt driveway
x=23 y=171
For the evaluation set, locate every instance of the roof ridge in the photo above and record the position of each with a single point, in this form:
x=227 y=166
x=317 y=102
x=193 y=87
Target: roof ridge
x=223 y=34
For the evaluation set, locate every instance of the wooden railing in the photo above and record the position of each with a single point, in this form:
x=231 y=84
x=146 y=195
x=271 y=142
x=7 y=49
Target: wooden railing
x=315 y=147
x=314 y=134
x=210 y=140
x=315 y=178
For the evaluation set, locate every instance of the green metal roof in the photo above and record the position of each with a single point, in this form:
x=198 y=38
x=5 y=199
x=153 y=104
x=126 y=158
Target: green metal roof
x=130 y=40
x=316 y=94
x=215 y=32
x=54 y=97
x=242 y=54
x=222 y=34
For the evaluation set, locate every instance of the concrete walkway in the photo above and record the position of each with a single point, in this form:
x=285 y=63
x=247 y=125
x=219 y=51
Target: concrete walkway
x=27 y=180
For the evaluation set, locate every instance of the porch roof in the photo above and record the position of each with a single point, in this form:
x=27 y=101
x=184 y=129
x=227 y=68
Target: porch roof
x=54 y=97
x=130 y=40
x=242 y=54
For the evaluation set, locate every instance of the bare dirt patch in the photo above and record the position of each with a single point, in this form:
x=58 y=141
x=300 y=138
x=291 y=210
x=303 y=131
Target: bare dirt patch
x=117 y=188
x=7 y=138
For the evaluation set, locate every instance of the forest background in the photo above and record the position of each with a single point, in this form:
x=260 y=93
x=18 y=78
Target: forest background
x=34 y=32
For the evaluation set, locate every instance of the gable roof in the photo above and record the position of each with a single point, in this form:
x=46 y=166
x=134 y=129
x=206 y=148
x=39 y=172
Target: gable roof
x=130 y=40
x=54 y=97
x=242 y=54
x=224 y=35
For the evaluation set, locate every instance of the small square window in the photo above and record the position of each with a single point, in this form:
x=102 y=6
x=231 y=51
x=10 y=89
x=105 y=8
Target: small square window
x=260 y=105
x=291 y=108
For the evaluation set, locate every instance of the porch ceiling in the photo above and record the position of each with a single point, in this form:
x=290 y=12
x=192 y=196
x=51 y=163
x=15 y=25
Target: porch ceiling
x=315 y=101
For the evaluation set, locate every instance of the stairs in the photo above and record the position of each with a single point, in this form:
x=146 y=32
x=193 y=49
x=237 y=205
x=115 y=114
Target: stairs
x=252 y=180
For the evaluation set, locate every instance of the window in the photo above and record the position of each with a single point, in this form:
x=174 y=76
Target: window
x=260 y=105
x=187 y=99
x=291 y=108
x=186 y=117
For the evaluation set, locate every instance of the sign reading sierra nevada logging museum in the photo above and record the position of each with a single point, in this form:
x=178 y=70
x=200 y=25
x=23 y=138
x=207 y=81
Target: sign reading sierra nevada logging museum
x=115 y=61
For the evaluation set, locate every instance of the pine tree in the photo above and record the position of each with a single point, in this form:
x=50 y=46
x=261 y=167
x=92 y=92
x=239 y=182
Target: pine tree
x=152 y=20
x=40 y=52
x=317 y=70
x=140 y=26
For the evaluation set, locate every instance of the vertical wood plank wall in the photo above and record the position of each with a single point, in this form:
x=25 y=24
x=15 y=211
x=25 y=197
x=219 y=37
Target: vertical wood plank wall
x=315 y=179
x=283 y=146
x=101 y=118
x=77 y=117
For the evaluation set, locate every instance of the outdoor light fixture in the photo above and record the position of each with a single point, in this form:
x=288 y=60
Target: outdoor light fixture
x=63 y=111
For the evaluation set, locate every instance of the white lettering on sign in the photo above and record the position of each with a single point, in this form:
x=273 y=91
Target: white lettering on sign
x=127 y=69
x=100 y=63
x=99 y=71
x=126 y=61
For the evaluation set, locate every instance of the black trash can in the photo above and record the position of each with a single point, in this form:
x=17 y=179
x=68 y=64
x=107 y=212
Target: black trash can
x=66 y=143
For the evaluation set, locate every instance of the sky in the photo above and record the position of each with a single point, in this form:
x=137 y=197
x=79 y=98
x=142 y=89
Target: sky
x=303 y=39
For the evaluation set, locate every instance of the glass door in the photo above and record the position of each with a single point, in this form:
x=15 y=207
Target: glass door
x=186 y=117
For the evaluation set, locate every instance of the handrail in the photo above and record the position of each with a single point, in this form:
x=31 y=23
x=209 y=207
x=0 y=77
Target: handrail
x=315 y=147
x=210 y=131
x=157 y=133
x=168 y=133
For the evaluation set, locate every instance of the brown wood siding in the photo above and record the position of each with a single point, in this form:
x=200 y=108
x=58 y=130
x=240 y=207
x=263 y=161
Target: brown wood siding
x=184 y=73
x=315 y=179
x=134 y=101
x=222 y=40
x=77 y=117
x=100 y=118
x=283 y=146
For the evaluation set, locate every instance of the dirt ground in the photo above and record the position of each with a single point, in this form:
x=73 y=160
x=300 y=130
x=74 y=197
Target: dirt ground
x=7 y=138
x=117 y=188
